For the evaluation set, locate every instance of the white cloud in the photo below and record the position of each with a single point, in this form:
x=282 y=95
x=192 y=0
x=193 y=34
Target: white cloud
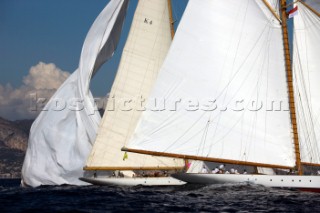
x=43 y=80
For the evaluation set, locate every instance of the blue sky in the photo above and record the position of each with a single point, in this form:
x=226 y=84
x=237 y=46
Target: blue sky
x=53 y=32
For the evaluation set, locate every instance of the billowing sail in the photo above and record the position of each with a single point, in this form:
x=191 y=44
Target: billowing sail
x=306 y=67
x=147 y=45
x=224 y=86
x=61 y=138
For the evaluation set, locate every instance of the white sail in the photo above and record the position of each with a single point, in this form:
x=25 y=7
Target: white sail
x=197 y=167
x=61 y=138
x=231 y=59
x=265 y=171
x=147 y=45
x=306 y=67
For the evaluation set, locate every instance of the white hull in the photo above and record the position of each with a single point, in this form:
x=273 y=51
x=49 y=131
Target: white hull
x=125 y=181
x=310 y=183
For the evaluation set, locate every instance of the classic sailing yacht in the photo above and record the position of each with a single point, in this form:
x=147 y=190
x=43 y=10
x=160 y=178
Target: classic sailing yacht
x=147 y=45
x=238 y=97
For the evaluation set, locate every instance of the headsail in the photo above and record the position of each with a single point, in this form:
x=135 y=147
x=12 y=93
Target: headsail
x=306 y=67
x=60 y=141
x=147 y=45
x=218 y=61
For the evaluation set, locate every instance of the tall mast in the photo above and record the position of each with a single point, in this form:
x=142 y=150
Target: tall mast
x=171 y=18
x=290 y=86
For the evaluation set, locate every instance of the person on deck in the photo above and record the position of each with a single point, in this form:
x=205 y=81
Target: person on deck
x=204 y=170
x=222 y=169
x=215 y=170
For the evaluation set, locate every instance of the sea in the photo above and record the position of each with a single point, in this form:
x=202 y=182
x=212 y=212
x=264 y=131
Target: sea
x=187 y=198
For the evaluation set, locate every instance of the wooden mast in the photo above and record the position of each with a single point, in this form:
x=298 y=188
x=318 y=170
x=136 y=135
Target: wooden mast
x=290 y=86
x=171 y=18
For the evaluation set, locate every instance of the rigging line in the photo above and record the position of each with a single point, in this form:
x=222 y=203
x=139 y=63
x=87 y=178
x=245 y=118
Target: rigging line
x=310 y=8
x=218 y=141
x=174 y=142
x=267 y=88
x=245 y=60
x=303 y=81
x=267 y=4
x=249 y=54
x=203 y=139
x=255 y=89
x=304 y=117
x=233 y=63
x=267 y=23
x=259 y=81
x=313 y=19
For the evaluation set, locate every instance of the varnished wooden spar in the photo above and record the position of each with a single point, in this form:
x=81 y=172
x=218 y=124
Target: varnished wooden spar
x=272 y=10
x=216 y=160
x=101 y=168
x=310 y=164
x=171 y=18
x=290 y=86
x=310 y=8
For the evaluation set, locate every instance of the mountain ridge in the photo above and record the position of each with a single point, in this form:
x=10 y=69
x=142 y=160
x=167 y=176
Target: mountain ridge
x=13 y=144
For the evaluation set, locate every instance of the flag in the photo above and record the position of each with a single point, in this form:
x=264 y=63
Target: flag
x=293 y=12
x=125 y=156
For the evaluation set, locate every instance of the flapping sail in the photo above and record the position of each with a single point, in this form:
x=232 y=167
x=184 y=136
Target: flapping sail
x=224 y=82
x=60 y=141
x=306 y=67
x=147 y=45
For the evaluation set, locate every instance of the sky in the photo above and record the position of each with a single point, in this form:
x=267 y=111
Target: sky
x=40 y=45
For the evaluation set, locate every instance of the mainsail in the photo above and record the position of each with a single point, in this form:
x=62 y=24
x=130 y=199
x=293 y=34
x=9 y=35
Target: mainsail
x=147 y=45
x=306 y=67
x=226 y=75
x=60 y=140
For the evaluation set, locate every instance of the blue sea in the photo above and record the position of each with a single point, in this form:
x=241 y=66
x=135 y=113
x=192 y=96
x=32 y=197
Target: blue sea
x=187 y=198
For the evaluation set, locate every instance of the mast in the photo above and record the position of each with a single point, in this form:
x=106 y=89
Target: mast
x=171 y=18
x=290 y=85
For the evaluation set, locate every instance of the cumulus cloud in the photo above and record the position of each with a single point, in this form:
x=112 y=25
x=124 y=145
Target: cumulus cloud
x=43 y=80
